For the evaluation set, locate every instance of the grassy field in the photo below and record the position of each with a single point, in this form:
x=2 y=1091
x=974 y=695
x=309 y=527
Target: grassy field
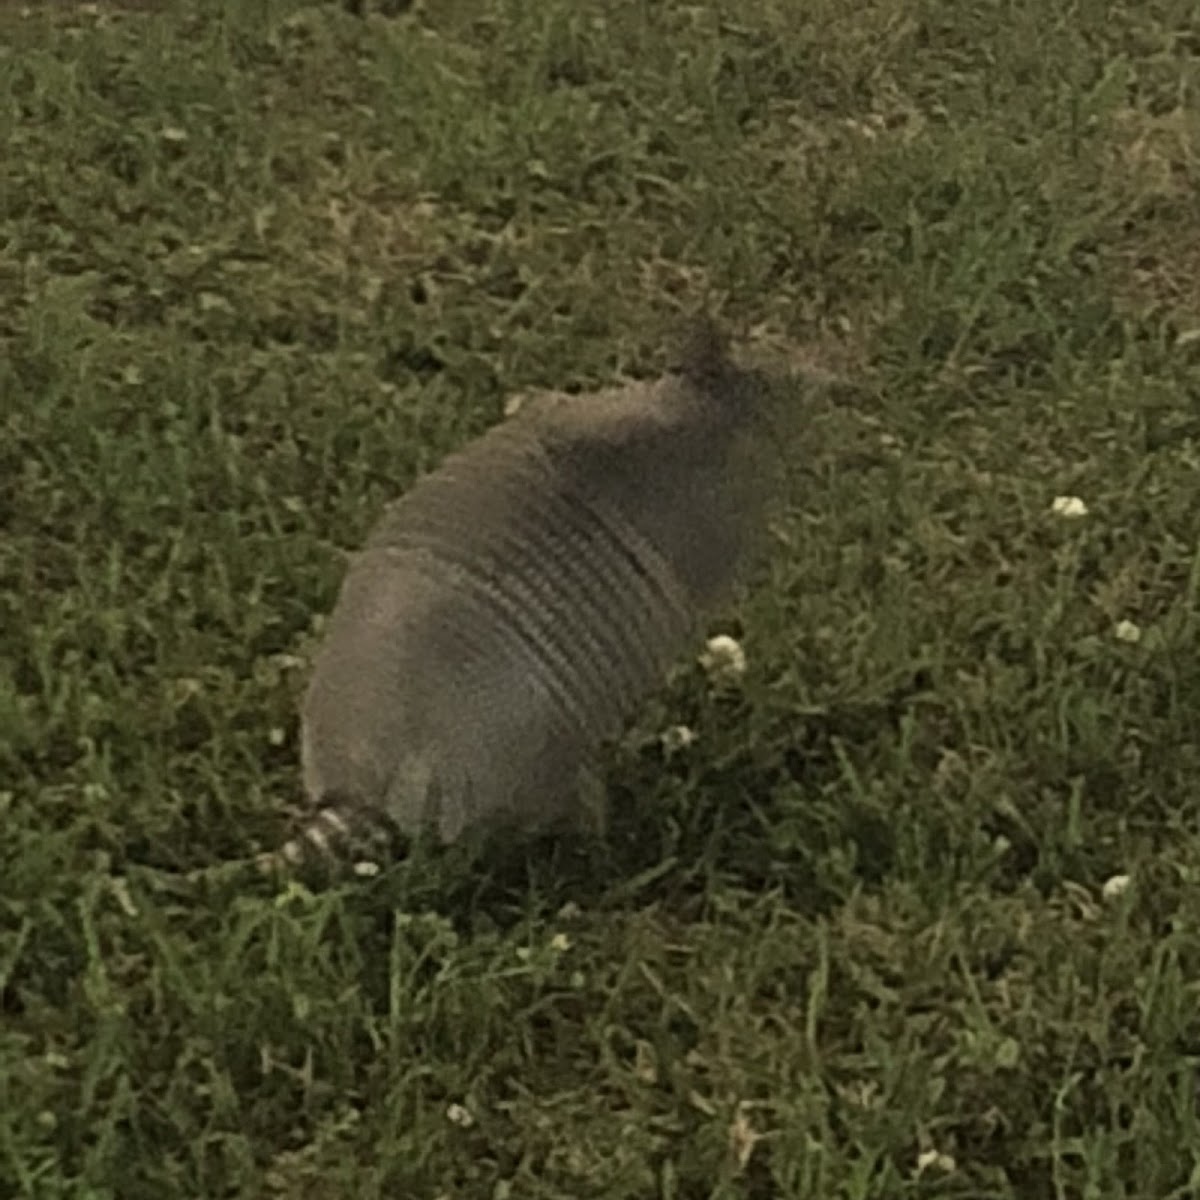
x=918 y=914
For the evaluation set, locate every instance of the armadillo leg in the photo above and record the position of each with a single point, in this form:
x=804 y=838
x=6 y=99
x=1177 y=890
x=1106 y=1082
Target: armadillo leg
x=592 y=811
x=578 y=803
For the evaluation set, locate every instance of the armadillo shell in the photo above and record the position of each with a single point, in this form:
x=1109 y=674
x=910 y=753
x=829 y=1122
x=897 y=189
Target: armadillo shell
x=494 y=629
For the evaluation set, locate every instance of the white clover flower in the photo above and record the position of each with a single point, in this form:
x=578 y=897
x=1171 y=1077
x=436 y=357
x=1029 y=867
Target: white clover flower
x=560 y=942
x=723 y=658
x=1069 y=506
x=366 y=869
x=677 y=737
x=1116 y=885
x=460 y=1115
x=1127 y=631
x=935 y=1160
x=276 y=736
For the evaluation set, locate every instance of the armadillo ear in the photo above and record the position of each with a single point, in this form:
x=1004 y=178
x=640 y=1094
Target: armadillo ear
x=703 y=350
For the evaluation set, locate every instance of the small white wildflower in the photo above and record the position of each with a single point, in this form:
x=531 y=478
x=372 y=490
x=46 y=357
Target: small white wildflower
x=560 y=942
x=1068 y=506
x=1127 y=631
x=678 y=737
x=934 y=1160
x=276 y=736
x=460 y=1115
x=723 y=657
x=1116 y=885
x=365 y=869
x=172 y=133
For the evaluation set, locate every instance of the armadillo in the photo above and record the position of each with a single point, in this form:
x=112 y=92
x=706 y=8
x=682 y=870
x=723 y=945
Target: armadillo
x=511 y=609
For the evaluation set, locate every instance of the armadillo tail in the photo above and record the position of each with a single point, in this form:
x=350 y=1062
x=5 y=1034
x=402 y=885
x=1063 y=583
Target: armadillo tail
x=328 y=840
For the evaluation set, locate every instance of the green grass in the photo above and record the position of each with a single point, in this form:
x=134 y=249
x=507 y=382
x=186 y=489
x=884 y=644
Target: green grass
x=262 y=263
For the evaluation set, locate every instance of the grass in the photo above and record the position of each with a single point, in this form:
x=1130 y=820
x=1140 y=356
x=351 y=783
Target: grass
x=260 y=264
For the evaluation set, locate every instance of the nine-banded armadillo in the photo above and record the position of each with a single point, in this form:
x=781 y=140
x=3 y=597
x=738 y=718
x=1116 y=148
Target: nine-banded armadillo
x=515 y=604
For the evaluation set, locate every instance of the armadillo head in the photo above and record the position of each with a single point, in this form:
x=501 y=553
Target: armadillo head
x=678 y=458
